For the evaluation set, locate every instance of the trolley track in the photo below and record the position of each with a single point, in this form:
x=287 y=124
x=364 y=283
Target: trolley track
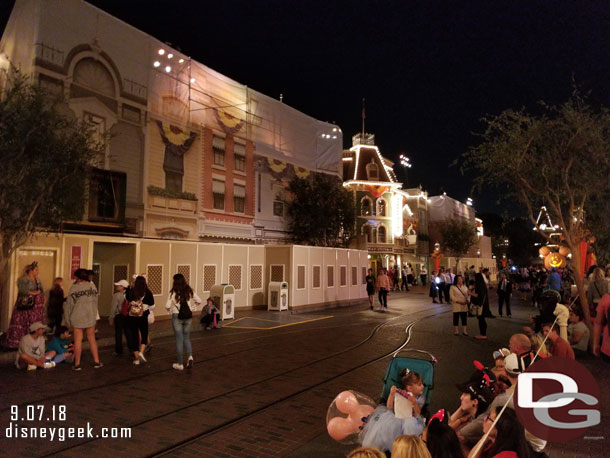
x=182 y=443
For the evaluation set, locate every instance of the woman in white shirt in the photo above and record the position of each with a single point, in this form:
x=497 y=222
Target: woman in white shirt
x=459 y=300
x=181 y=304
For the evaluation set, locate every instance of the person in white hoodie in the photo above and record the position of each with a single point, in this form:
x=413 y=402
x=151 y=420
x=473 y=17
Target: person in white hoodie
x=181 y=304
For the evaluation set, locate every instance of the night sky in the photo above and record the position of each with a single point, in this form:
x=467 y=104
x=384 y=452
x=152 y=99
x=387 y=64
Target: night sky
x=428 y=70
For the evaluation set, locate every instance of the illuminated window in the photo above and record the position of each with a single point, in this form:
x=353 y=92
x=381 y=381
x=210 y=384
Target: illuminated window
x=366 y=207
x=381 y=207
x=381 y=234
x=372 y=170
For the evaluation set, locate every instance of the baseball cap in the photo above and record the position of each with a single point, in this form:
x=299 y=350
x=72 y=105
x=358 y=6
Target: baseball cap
x=37 y=325
x=122 y=283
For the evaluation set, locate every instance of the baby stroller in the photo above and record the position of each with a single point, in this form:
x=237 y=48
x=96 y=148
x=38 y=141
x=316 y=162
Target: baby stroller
x=418 y=361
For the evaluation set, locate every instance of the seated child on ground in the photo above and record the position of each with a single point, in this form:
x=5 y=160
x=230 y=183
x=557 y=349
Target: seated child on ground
x=31 y=353
x=61 y=345
x=210 y=315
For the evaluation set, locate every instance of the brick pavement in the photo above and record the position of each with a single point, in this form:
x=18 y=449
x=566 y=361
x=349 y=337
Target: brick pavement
x=238 y=373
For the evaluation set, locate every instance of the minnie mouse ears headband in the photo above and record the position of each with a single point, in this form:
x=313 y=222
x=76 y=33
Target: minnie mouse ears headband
x=439 y=415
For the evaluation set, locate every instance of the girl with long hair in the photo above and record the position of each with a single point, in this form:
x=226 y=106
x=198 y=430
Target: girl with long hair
x=140 y=300
x=506 y=439
x=181 y=304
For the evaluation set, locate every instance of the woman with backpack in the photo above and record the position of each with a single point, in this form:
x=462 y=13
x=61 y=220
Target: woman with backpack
x=181 y=304
x=140 y=300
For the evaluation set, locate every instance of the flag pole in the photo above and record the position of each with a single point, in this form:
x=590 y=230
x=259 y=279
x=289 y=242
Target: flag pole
x=363 y=117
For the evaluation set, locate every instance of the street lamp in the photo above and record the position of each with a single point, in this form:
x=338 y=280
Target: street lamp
x=406 y=163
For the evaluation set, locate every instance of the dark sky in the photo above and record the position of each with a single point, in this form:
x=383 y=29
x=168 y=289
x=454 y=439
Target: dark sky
x=428 y=69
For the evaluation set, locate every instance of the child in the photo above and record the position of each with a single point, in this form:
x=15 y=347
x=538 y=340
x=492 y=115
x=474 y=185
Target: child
x=210 y=315
x=61 y=345
x=414 y=393
x=31 y=352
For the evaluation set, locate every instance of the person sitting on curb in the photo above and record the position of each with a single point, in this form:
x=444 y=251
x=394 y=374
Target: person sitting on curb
x=31 y=352
x=60 y=344
x=578 y=332
x=474 y=400
x=210 y=315
x=557 y=346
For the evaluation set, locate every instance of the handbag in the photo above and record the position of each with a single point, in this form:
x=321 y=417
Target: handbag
x=25 y=302
x=125 y=307
x=136 y=308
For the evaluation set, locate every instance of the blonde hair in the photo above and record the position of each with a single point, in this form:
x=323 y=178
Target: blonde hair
x=598 y=274
x=409 y=447
x=366 y=452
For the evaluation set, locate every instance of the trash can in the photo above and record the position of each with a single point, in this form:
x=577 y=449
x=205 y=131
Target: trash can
x=224 y=298
x=278 y=296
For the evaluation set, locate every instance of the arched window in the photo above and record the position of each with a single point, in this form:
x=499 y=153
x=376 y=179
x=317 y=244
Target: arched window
x=381 y=234
x=381 y=207
x=367 y=231
x=366 y=207
x=94 y=75
x=372 y=170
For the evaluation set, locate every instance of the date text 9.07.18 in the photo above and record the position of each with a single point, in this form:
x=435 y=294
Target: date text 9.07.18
x=38 y=413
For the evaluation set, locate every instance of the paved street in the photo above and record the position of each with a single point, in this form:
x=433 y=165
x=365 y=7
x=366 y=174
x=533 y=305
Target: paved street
x=254 y=392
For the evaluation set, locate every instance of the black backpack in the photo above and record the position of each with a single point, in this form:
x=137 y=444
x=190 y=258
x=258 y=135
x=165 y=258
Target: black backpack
x=185 y=312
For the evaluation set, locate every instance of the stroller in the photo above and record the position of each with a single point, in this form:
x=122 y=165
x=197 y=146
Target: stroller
x=423 y=365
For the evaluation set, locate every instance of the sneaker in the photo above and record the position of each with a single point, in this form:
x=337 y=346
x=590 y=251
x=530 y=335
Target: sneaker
x=148 y=348
x=136 y=362
x=218 y=326
x=141 y=356
x=77 y=368
x=49 y=364
x=32 y=367
x=189 y=362
x=98 y=365
x=178 y=366
x=208 y=328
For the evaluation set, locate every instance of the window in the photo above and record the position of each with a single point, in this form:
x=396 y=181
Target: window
x=235 y=276
x=381 y=234
x=218 y=190
x=119 y=272
x=278 y=208
x=364 y=275
x=239 y=198
x=300 y=277
x=276 y=272
x=315 y=282
x=184 y=269
x=107 y=196
x=218 y=146
x=343 y=276
x=330 y=281
x=372 y=170
x=209 y=276
x=381 y=207
x=240 y=157
x=367 y=231
x=256 y=276
x=154 y=278
x=354 y=276
x=173 y=181
x=365 y=207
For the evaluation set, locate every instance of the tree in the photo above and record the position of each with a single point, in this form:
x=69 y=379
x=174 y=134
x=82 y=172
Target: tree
x=45 y=158
x=459 y=235
x=559 y=158
x=321 y=211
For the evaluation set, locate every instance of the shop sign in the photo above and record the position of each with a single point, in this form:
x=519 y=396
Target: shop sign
x=76 y=255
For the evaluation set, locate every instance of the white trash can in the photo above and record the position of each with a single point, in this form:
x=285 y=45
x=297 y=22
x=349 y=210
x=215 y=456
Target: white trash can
x=224 y=298
x=278 y=296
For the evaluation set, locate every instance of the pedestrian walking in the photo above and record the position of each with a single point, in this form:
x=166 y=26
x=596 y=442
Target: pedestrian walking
x=396 y=279
x=410 y=275
x=119 y=309
x=405 y=278
x=81 y=314
x=370 y=287
x=460 y=299
x=440 y=284
x=181 y=304
x=505 y=291
x=383 y=286
x=29 y=307
x=479 y=295
x=140 y=299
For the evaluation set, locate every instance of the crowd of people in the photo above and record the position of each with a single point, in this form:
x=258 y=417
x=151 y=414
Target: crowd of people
x=471 y=429
x=75 y=316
